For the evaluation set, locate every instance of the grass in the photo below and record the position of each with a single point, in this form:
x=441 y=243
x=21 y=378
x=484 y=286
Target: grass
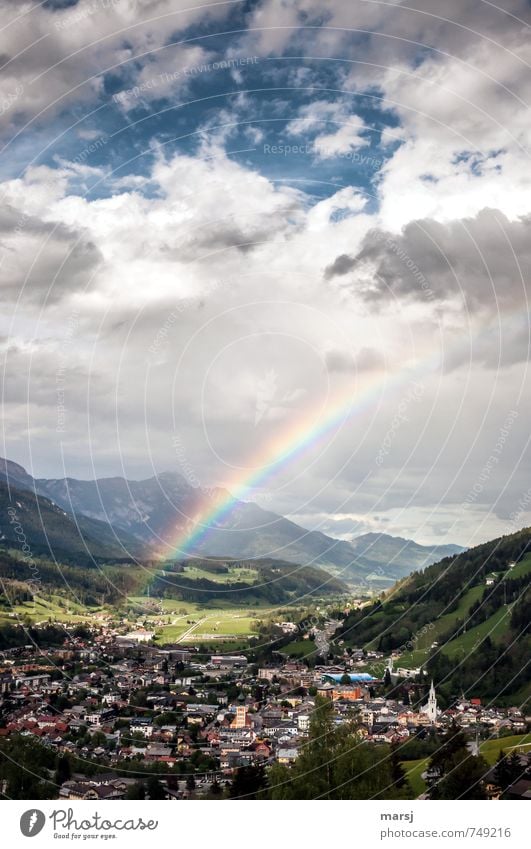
x=495 y=627
x=55 y=608
x=522 y=568
x=489 y=749
x=413 y=659
x=235 y=573
x=299 y=648
x=444 y=623
x=414 y=770
x=233 y=625
x=204 y=624
x=166 y=605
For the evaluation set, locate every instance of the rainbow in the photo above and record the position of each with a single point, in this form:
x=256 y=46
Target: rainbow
x=308 y=431
x=315 y=425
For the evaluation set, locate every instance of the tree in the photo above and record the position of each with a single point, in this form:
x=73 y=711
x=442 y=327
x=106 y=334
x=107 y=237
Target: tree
x=453 y=742
x=508 y=769
x=136 y=791
x=336 y=764
x=62 y=770
x=464 y=778
x=461 y=774
x=397 y=770
x=248 y=782
x=154 y=788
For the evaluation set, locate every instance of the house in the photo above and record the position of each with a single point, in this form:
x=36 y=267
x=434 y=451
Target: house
x=520 y=790
x=268 y=673
x=287 y=756
x=140 y=636
x=262 y=751
x=156 y=752
x=303 y=722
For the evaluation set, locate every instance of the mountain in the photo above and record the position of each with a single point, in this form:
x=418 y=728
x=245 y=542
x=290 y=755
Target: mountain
x=385 y=550
x=465 y=620
x=153 y=512
x=36 y=525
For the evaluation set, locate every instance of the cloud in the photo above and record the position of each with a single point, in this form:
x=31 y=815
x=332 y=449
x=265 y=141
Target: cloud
x=314 y=117
x=483 y=262
x=43 y=262
x=56 y=56
x=225 y=298
x=366 y=359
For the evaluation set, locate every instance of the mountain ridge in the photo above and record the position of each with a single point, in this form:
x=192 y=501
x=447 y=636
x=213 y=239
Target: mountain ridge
x=155 y=512
x=464 y=620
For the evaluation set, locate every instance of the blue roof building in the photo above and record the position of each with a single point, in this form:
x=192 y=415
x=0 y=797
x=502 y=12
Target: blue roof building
x=355 y=677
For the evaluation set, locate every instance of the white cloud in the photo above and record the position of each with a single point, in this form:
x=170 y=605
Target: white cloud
x=55 y=57
x=198 y=289
x=314 y=118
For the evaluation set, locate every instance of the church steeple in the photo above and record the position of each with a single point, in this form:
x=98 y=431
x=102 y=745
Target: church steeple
x=430 y=709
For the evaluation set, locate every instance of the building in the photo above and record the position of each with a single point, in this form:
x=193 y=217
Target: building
x=430 y=708
x=137 y=637
x=241 y=717
x=355 y=677
x=228 y=660
x=287 y=756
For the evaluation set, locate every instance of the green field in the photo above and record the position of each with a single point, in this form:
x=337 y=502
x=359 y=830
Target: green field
x=235 y=573
x=490 y=749
x=522 y=568
x=494 y=627
x=203 y=624
x=173 y=620
x=54 y=608
x=423 y=643
x=414 y=770
x=299 y=648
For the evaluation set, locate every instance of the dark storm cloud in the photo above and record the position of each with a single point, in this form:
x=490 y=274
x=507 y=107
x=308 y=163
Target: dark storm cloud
x=483 y=261
x=41 y=261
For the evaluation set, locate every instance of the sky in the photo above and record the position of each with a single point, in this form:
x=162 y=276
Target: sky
x=277 y=245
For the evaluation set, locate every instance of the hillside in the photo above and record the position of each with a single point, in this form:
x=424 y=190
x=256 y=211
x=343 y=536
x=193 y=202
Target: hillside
x=383 y=550
x=27 y=519
x=149 y=513
x=265 y=581
x=465 y=620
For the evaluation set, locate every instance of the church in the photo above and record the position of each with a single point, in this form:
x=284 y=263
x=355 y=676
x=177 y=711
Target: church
x=430 y=708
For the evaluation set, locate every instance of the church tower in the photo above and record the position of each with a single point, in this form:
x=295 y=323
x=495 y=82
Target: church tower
x=430 y=709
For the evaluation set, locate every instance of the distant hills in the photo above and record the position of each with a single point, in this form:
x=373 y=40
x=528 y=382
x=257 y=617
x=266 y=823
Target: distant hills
x=244 y=582
x=119 y=517
x=31 y=520
x=465 y=621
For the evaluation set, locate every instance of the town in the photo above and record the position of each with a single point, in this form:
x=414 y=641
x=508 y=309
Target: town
x=112 y=715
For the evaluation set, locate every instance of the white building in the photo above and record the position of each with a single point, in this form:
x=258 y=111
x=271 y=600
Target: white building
x=430 y=708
